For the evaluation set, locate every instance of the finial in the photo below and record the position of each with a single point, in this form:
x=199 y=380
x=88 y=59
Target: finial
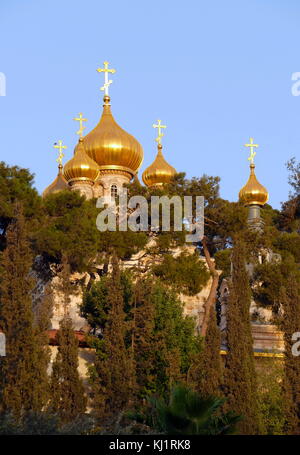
x=58 y=145
x=106 y=100
x=107 y=82
x=160 y=133
x=80 y=119
x=252 y=153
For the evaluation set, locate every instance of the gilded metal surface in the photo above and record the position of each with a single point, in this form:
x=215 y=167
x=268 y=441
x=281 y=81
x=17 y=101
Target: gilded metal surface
x=252 y=153
x=253 y=193
x=80 y=119
x=110 y=146
x=159 y=171
x=107 y=82
x=58 y=184
x=81 y=166
x=159 y=126
x=59 y=145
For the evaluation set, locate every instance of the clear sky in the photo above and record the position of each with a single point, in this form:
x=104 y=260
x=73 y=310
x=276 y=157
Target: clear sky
x=215 y=71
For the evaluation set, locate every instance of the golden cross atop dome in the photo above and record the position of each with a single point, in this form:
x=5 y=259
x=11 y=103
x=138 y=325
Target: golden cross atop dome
x=159 y=126
x=59 y=145
x=252 y=153
x=80 y=119
x=107 y=82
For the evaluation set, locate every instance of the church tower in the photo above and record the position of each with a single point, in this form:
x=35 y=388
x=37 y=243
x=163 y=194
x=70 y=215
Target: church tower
x=60 y=182
x=253 y=195
x=117 y=153
x=159 y=172
x=105 y=159
x=81 y=171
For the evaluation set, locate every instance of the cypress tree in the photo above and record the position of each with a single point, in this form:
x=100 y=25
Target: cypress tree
x=68 y=399
x=114 y=382
x=169 y=327
x=67 y=391
x=290 y=297
x=209 y=368
x=142 y=337
x=23 y=372
x=156 y=338
x=240 y=375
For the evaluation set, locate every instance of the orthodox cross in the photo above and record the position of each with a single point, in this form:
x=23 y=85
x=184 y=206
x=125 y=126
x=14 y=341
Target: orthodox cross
x=80 y=119
x=58 y=145
x=107 y=82
x=159 y=126
x=252 y=153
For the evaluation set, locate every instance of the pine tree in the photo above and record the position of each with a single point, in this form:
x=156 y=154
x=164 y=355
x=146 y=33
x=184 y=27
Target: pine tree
x=23 y=372
x=114 y=382
x=240 y=375
x=68 y=399
x=290 y=324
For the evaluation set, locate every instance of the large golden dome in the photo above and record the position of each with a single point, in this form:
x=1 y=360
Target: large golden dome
x=159 y=172
x=111 y=147
x=253 y=193
x=59 y=184
x=81 y=166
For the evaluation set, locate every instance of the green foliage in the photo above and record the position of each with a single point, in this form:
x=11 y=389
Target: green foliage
x=147 y=340
x=162 y=340
x=68 y=400
x=289 y=242
x=222 y=218
x=175 y=340
x=123 y=244
x=240 y=377
x=294 y=177
x=113 y=380
x=271 y=278
x=270 y=397
x=23 y=372
x=69 y=226
x=188 y=413
x=43 y=423
x=95 y=306
x=290 y=214
x=185 y=272
x=223 y=261
x=16 y=187
x=270 y=216
x=290 y=323
x=207 y=370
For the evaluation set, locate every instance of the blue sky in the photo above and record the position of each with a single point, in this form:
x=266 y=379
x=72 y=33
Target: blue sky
x=215 y=71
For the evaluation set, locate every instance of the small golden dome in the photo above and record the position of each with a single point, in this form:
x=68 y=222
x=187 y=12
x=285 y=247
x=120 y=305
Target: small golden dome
x=111 y=147
x=159 y=172
x=59 y=184
x=81 y=166
x=253 y=193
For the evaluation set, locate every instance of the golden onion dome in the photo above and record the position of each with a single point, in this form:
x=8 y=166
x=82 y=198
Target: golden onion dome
x=159 y=172
x=253 y=193
x=81 y=166
x=59 y=184
x=111 y=147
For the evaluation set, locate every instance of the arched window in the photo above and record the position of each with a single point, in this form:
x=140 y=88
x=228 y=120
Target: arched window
x=114 y=191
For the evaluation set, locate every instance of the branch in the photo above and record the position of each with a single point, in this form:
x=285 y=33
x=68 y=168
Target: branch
x=211 y=299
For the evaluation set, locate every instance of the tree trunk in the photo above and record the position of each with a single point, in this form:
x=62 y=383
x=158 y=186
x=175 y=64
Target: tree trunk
x=211 y=299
